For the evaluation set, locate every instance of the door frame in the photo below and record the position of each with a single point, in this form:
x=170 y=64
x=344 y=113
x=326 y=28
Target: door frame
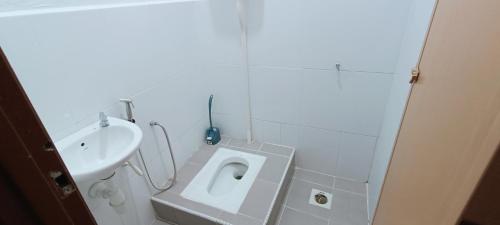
x=31 y=164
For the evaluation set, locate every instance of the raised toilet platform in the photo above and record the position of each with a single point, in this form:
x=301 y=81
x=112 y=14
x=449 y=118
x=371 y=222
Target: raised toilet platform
x=262 y=204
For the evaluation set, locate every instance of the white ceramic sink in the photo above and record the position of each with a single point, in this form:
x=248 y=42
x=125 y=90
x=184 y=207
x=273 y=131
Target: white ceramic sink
x=95 y=152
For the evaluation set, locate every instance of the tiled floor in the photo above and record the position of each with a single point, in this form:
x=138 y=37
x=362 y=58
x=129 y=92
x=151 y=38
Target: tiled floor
x=157 y=222
x=348 y=204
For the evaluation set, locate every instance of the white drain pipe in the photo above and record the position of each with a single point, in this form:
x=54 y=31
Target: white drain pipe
x=240 y=5
x=108 y=189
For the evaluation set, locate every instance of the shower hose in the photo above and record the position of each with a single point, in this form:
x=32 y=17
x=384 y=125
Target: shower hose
x=172 y=181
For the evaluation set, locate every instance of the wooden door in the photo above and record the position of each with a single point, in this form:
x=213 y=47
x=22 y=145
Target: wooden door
x=482 y=208
x=36 y=186
x=451 y=128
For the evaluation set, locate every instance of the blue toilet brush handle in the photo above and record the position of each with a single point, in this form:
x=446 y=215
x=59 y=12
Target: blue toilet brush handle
x=210 y=110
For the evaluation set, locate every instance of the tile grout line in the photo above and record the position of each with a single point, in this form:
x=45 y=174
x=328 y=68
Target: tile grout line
x=350 y=192
x=329 y=175
x=256 y=150
x=285 y=203
x=333 y=187
x=334 y=182
x=309 y=214
x=317 y=172
x=310 y=182
x=369 y=217
x=332 y=176
x=251 y=217
x=318 y=128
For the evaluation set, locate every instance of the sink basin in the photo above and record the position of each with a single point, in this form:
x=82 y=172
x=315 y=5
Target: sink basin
x=95 y=152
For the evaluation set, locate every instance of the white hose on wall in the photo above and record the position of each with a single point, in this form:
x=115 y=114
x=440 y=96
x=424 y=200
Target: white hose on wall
x=240 y=5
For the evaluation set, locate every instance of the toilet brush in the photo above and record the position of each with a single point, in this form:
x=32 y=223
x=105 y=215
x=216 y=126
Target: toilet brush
x=213 y=133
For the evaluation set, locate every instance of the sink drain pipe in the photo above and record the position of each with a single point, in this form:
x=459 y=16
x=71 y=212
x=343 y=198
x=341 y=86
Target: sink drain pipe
x=107 y=189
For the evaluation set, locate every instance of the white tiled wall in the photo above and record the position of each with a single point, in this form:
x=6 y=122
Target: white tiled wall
x=291 y=104
x=300 y=99
x=362 y=35
x=75 y=64
x=416 y=28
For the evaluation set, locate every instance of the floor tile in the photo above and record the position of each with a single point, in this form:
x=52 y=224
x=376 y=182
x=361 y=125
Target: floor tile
x=175 y=199
x=351 y=186
x=164 y=212
x=185 y=218
x=159 y=222
x=259 y=198
x=348 y=209
x=202 y=155
x=188 y=172
x=273 y=168
x=294 y=217
x=239 y=219
x=178 y=187
x=277 y=149
x=298 y=198
x=314 y=177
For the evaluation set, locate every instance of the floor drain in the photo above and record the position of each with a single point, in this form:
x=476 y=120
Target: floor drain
x=321 y=199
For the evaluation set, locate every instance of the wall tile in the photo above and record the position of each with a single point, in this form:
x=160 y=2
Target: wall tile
x=218 y=32
x=321 y=99
x=265 y=131
x=274 y=33
x=231 y=125
x=289 y=135
x=361 y=35
x=348 y=101
x=356 y=152
x=363 y=100
x=275 y=94
x=90 y=81
x=318 y=149
x=229 y=86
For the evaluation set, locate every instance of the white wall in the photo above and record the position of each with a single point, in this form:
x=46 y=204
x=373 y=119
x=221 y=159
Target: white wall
x=22 y=5
x=298 y=98
x=217 y=29
x=74 y=64
x=416 y=28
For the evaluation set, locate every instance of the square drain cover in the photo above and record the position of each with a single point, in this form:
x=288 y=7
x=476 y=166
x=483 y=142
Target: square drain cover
x=321 y=199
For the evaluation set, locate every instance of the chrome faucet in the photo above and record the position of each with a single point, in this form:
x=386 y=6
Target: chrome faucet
x=103 y=120
x=128 y=108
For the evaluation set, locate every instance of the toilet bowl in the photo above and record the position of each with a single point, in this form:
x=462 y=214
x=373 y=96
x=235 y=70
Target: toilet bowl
x=225 y=179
